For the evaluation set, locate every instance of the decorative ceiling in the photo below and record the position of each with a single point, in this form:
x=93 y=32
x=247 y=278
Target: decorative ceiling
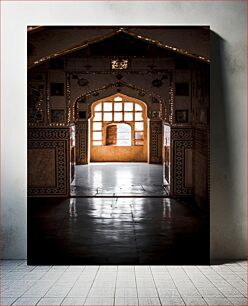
x=120 y=41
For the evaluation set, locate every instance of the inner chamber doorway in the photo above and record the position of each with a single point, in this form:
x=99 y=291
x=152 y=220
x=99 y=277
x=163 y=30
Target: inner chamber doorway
x=118 y=130
x=119 y=151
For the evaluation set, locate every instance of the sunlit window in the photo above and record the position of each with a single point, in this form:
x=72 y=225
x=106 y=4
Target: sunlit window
x=139 y=126
x=107 y=116
x=98 y=117
x=139 y=135
x=118 y=116
x=118 y=99
x=97 y=143
x=128 y=116
x=98 y=107
x=97 y=135
x=118 y=123
x=128 y=106
x=107 y=106
x=97 y=126
x=124 y=136
x=138 y=116
x=119 y=135
x=118 y=107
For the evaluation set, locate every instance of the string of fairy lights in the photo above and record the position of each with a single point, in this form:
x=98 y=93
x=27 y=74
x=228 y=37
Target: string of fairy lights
x=131 y=86
x=68 y=98
x=70 y=109
x=69 y=118
x=171 y=103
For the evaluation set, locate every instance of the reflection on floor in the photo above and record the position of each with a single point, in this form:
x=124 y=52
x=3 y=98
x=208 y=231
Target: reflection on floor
x=118 y=179
x=116 y=231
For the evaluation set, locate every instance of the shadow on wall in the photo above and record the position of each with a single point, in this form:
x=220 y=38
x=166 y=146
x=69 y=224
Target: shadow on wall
x=225 y=230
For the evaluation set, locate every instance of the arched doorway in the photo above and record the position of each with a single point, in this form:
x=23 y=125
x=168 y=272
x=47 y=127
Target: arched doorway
x=158 y=113
x=120 y=144
x=118 y=130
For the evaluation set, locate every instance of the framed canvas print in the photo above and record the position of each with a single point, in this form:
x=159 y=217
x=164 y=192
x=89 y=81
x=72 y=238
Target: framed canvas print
x=118 y=145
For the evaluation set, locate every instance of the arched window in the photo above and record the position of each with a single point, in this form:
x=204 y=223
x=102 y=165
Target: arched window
x=118 y=123
x=119 y=134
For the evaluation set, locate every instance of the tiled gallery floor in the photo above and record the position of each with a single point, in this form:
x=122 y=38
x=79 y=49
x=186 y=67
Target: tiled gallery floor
x=119 y=231
x=118 y=179
x=123 y=285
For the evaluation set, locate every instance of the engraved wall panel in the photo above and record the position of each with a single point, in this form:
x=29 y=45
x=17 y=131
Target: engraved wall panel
x=36 y=103
x=48 y=147
x=188 y=167
x=156 y=142
x=182 y=140
x=41 y=167
x=81 y=142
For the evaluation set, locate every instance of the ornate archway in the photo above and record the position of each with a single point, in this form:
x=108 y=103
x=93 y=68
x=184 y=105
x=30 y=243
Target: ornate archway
x=157 y=112
x=155 y=125
x=118 y=130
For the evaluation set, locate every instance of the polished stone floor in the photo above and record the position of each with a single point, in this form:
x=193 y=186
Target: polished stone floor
x=118 y=179
x=116 y=231
x=123 y=285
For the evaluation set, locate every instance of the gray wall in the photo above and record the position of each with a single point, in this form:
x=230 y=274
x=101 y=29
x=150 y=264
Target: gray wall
x=228 y=105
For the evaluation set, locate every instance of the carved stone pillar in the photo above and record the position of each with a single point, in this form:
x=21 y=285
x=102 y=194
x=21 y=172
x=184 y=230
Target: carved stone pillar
x=182 y=151
x=156 y=142
x=81 y=142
